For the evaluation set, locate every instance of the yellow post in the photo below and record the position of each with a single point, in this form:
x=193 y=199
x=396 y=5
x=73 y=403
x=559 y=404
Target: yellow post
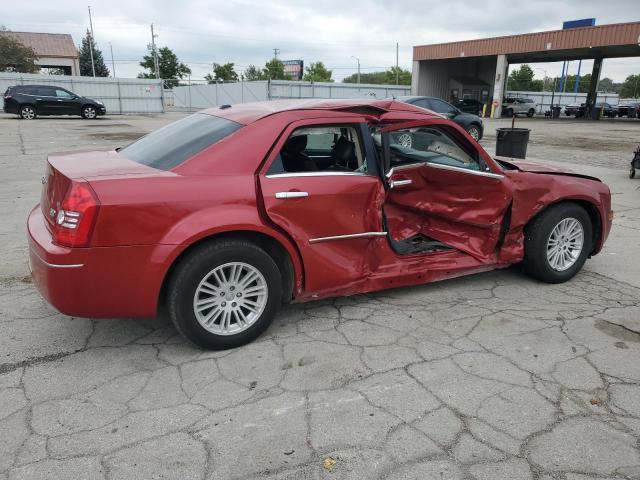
x=484 y=110
x=493 y=109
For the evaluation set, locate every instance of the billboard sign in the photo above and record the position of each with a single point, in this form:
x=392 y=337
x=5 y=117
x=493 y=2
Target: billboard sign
x=294 y=68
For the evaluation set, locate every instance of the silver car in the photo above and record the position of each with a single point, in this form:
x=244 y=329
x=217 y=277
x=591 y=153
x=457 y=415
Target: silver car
x=518 y=106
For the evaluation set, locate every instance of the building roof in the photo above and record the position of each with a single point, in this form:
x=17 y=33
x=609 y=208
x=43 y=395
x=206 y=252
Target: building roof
x=613 y=40
x=47 y=44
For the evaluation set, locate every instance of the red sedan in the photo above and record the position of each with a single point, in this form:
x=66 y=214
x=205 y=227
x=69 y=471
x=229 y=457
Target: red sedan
x=231 y=212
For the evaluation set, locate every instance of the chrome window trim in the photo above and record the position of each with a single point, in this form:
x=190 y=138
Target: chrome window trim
x=349 y=236
x=404 y=167
x=314 y=174
x=54 y=265
x=444 y=167
x=465 y=170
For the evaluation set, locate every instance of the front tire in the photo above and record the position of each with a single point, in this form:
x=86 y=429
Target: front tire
x=89 y=112
x=27 y=112
x=557 y=243
x=224 y=294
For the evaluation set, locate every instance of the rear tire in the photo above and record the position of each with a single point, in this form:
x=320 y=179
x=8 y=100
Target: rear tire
x=27 y=112
x=207 y=298
x=632 y=173
x=531 y=113
x=509 y=112
x=474 y=131
x=551 y=255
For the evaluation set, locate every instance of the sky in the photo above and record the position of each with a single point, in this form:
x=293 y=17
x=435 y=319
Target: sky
x=332 y=31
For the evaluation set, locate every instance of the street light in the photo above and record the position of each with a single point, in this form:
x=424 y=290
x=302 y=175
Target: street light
x=358 y=60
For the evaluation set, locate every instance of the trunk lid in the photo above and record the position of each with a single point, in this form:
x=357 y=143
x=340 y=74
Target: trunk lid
x=65 y=168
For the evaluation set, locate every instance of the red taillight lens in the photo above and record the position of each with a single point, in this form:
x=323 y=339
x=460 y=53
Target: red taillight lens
x=76 y=216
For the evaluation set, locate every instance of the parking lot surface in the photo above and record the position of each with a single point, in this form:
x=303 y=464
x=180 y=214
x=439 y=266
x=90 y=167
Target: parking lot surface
x=492 y=376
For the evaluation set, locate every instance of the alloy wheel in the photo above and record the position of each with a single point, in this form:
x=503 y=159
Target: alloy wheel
x=28 y=113
x=230 y=298
x=565 y=244
x=89 y=112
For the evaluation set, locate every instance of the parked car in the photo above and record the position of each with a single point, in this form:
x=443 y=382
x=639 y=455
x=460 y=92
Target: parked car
x=579 y=110
x=226 y=214
x=572 y=109
x=471 y=123
x=29 y=101
x=518 y=106
x=629 y=109
x=469 y=105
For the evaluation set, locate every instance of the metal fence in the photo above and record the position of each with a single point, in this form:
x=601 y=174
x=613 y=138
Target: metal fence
x=543 y=100
x=119 y=95
x=197 y=96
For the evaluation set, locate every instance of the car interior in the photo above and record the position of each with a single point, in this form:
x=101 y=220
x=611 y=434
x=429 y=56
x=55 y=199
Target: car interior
x=316 y=149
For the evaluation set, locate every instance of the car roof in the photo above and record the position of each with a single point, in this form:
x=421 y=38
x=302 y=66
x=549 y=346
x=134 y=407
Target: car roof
x=247 y=113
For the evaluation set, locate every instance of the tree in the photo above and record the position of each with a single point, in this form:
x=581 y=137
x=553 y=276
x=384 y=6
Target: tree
x=630 y=87
x=607 y=85
x=171 y=69
x=274 y=70
x=570 y=82
x=317 y=72
x=388 y=77
x=222 y=73
x=15 y=56
x=252 y=73
x=521 y=79
x=86 y=70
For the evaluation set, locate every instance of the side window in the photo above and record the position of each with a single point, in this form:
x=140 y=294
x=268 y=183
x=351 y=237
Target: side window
x=62 y=93
x=45 y=91
x=335 y=148
x=429 y=145
x=440 y=106
x=422 y=103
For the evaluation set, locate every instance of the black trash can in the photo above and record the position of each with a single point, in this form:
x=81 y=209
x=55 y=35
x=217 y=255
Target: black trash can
x=555 y=111
x=512 y=142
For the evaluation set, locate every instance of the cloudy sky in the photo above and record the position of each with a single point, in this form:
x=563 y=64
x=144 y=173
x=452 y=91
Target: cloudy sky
x=332 y=31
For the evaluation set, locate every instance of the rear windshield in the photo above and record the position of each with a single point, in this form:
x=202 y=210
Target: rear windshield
x=171 y=145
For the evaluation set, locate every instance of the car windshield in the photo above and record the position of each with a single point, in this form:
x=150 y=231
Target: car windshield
x=171 y=145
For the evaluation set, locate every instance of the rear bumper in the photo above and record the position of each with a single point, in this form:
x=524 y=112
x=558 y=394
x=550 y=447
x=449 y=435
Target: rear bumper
x=98 y=282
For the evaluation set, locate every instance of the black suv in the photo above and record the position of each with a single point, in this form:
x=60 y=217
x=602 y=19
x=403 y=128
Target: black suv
x=471 y=123
x=29 y=101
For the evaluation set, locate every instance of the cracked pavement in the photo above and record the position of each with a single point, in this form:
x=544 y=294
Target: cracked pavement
x=492 y=376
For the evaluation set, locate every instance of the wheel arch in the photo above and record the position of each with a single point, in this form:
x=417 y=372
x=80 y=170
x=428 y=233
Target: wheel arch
x=591 y=209
x=274 y=248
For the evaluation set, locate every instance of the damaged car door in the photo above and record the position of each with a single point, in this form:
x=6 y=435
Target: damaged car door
x=440 y=189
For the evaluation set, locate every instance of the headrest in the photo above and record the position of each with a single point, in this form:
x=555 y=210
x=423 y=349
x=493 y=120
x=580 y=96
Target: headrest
x=295 y=144
x=344 y=150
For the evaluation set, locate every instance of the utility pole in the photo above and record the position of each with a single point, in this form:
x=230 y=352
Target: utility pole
x=397 y=70
x=358 y=60
x=276 y=51
x=93 y=65
x=154 y=53
x=113 y=64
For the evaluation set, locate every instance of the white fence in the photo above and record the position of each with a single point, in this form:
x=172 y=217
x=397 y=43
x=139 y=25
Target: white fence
x=119 y=95
x=543 y=99
x=194 y=97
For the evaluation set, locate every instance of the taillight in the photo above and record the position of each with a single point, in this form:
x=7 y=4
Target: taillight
x=7 y=97
x=76 y=216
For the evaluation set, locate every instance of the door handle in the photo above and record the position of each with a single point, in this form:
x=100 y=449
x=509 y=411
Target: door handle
x=59 y=99
x=285 y=195
x=399 y=183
